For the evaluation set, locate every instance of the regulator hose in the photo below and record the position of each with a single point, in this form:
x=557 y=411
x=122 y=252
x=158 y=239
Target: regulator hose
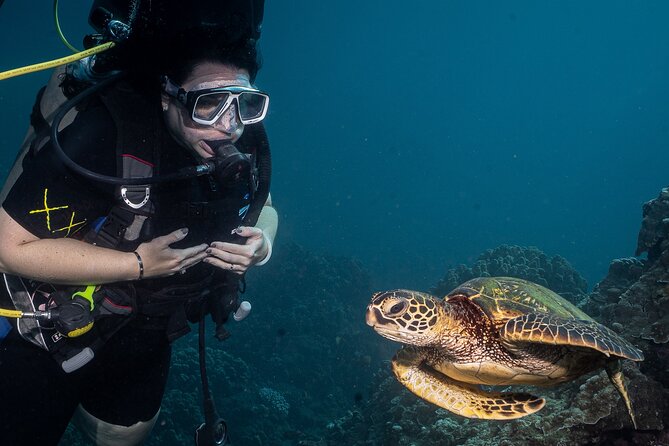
x=181 y=174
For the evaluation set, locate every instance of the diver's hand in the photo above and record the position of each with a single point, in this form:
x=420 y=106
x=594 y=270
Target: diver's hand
x=160 y=260
x=238 y=258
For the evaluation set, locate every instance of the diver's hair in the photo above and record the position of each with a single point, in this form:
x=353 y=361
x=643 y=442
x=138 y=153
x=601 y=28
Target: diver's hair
x=147 y=61
x=178 y=57
x=170 y=33
x=241 y=55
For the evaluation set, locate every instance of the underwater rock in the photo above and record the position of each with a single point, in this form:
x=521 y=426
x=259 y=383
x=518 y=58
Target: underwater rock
x=528 y=263
x=643 y=307
x=654 y=233
x=598 y=403
x=622 y=274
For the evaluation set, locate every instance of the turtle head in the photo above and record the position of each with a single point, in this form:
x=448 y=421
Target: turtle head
x=406 y=316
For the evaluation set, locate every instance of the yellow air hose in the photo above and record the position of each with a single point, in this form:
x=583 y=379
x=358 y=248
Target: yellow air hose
x=11 y=313
x=56 y=62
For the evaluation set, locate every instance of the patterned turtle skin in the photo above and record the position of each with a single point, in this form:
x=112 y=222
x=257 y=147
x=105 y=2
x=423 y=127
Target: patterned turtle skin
x=494 y=331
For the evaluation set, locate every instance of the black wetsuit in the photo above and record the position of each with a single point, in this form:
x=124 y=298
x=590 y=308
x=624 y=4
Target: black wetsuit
x=126 y=380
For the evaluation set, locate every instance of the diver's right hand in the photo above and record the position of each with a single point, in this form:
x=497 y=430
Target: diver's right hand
x=160 y=260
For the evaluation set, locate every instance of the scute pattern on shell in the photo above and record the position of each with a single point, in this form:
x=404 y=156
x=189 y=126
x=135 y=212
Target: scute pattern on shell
x=502 y=298
x=549 y=329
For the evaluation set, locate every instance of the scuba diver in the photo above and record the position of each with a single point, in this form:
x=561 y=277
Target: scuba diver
x=138 y=204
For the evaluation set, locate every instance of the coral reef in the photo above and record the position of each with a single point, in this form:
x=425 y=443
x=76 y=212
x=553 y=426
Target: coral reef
x=275 y=399
x=524 y=262
x=622 y=274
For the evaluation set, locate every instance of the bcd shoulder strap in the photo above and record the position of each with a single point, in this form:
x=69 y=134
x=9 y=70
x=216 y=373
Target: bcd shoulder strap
x=137 y=143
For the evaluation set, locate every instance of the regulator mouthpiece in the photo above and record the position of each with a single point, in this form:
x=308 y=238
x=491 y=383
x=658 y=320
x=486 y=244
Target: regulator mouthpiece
x=229 y=163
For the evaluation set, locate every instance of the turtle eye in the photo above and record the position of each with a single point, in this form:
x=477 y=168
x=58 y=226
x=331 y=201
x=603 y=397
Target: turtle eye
x=397 y=308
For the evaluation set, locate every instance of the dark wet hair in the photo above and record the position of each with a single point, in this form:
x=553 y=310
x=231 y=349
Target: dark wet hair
x=175 y=56
x=173 y=36
x=178 y=56
x=240 y=54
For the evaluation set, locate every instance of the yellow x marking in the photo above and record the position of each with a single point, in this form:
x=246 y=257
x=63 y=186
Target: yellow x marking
x=71 y=226
x=47 y=210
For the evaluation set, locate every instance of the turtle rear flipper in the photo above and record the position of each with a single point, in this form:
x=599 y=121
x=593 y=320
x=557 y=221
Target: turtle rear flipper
x=555 y=330
x=615 y=372
x=460 y=398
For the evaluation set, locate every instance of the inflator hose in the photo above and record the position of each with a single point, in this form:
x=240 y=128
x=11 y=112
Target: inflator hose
x=258 y=138
x=214 y=430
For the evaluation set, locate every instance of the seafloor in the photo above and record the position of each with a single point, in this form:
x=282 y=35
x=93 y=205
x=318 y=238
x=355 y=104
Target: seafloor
x=304 y=369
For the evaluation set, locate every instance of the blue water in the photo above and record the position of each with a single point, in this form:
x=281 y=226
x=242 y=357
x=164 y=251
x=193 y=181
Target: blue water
x=415 y=137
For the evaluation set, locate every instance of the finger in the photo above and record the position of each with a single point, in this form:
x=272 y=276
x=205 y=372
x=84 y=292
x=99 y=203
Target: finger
x=187 y=253
x=228 y=257
x=233 y=248
x=192 y=261
x=173 y=237
x=248 y=231
x=232 y=267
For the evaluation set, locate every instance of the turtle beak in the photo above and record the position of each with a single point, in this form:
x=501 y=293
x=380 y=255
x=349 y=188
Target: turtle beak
x=370 y=317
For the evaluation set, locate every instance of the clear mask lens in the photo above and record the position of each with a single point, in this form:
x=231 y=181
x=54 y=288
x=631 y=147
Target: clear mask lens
x=208 y=106
x=211 y=106
x=251 y=105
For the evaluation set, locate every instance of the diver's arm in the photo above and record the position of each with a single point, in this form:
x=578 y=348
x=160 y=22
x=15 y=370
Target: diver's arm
x=61 y=260
x=257 y=248
x=70 y=261
x=268 y=220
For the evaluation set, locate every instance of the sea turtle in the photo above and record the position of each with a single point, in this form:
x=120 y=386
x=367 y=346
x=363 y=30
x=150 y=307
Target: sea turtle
x=494 y=331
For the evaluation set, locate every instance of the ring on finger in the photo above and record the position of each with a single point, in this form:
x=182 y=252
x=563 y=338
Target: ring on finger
x=182 y=271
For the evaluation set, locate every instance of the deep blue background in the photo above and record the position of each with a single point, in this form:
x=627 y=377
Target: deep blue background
x=415 y=135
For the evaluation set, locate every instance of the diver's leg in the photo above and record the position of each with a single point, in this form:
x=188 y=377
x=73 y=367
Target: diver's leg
x=127 y=385
x=108 y=434
x=37 y=398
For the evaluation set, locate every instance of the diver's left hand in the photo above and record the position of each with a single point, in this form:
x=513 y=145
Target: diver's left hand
x=238 y=258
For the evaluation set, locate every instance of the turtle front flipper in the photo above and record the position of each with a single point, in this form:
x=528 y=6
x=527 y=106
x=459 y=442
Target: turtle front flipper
x=554 y=330
x=460 y=398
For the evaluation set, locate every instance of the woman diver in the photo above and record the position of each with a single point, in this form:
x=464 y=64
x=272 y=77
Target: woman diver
x=139 y=216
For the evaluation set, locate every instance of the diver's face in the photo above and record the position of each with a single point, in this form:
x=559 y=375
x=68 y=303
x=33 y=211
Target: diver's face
x=193 y=135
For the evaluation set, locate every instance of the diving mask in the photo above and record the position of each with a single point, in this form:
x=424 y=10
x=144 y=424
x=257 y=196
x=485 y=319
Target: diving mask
x=206 y=106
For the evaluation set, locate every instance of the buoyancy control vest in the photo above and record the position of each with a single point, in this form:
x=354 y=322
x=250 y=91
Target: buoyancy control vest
x=139 y=215
x=213 y=205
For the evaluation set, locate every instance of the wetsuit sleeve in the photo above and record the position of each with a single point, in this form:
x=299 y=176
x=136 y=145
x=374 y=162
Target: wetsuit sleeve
x=51 y=201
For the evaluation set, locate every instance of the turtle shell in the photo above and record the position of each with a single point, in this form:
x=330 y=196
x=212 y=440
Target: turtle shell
x=523 y=311
x=504 y=298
